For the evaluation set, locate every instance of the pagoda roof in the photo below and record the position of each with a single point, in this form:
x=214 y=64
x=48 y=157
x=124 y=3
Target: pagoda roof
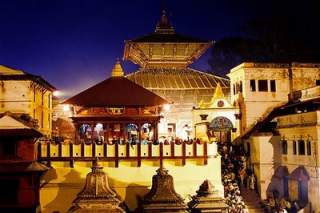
x=7 y=73
x=165 y=32
x=116 y=92
x=168 y=38
x=10 y=125
x=14 y=166
x=164 y=47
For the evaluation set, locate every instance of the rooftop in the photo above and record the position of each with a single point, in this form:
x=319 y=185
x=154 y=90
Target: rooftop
x=7 y=73
x=177 y=79
x=116 y=91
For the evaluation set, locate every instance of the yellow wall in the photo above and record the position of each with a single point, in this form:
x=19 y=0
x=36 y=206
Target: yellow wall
x=62 y=183
x=128 y=181
x=26 y=97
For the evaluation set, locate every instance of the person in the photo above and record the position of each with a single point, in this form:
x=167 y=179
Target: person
x=252 y=182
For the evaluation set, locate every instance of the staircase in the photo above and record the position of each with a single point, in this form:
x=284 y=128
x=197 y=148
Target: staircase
x=252 y=200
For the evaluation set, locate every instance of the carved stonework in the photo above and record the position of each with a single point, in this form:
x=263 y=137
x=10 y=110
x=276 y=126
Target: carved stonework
x=162 y=196
x=96 y=196
x=207 y=200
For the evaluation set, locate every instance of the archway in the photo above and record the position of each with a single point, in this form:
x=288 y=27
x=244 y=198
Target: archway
x=299 y=179
x=279 y=182
x=220 y=128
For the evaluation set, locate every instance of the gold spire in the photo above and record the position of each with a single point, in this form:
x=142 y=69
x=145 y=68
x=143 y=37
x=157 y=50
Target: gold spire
x=117 y=70
x=218 y=94
x=164 y=26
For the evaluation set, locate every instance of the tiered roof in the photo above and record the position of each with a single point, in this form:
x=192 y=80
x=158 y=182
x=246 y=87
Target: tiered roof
x=116 y=91
x=165 y=47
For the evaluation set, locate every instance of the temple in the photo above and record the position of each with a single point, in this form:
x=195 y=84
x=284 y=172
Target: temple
x=164 y=57
x=164 y=115
x=117 y=121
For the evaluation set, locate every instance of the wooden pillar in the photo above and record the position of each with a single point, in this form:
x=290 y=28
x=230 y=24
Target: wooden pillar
x=76 y=132
x=93 y=149
x=106 y=135
x=71 y=155
x=139 y=146
x=194 y=149
x=60 y=150
x=155 y=130
x=149 y=150
x=82 y=149
x=105 y=150
x=39 y=151
x=116 y=154
x=172 y=144
x=161 y=155
x=183 y=153
x=205 y=153
x=48 y=155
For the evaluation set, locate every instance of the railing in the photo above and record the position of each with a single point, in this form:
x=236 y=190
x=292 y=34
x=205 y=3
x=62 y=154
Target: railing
x=49 y=152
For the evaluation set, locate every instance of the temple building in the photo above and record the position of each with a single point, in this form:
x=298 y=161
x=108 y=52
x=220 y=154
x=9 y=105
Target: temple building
x=24 y=93
x=117 y=121
x=164 y=57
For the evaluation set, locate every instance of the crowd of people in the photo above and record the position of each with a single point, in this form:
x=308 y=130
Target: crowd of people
x=233 y=166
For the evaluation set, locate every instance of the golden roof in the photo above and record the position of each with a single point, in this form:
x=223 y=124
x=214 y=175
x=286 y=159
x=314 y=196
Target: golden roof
x=177 y=79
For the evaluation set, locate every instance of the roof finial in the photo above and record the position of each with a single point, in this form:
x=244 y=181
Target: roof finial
x=164 y=25
x=117 y=70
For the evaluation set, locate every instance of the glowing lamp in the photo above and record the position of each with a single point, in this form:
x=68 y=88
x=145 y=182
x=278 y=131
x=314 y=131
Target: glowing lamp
x=66 y=108
x=166 y=107
x=57 y=93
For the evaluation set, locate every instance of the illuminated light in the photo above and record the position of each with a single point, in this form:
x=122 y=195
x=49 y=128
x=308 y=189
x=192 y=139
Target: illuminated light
x=57 y=93
x=166 y=107
x=99 y=127
x=66 y=108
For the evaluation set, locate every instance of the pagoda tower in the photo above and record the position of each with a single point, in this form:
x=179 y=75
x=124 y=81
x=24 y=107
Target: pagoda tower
x=164 y=57
x=165 y=48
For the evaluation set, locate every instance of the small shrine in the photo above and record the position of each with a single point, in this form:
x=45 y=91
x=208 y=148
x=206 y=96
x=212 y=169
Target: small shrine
x=19 y=171
x=162 y=197
x=216 y=119
x=207 y=199
x=116 y=110
x=96 y=196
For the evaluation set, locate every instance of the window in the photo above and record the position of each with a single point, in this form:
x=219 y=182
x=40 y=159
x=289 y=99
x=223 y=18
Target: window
x=263 y=85
x=284 y=147
x=273 y=85
x=252 y=85
x=234 y=89
x=308 y=147
x=317 y=82
x=294 y=147
x=240 y=86
x=302 y=150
